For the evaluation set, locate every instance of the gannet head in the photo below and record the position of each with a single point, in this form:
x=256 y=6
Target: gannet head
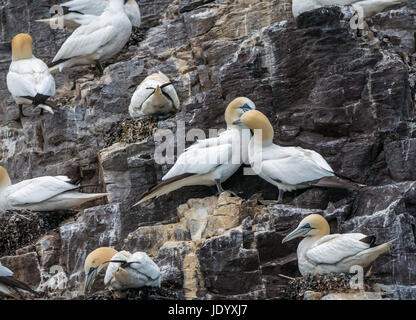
x=236 y=109
x=258 y=122
x=312 y=225
x=21 y=47
x=4 y=178
x=94 y=263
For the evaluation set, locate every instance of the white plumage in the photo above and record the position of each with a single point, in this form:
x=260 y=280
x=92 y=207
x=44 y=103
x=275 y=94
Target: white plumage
x=5 y=272
x=154 y=95
x=9 y=285
x=370 y=7
x=133 y=271
x=99 y=40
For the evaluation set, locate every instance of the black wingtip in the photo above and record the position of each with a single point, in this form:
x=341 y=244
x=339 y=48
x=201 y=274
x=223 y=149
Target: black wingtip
x=371 y=240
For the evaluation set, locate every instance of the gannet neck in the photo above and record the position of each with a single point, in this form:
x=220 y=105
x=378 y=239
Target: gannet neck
x=21 y=47
x=4 y=178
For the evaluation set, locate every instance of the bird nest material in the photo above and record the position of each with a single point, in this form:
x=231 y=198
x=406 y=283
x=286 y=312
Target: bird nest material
x=131 y=130
x=325 y=284
x=144 y=293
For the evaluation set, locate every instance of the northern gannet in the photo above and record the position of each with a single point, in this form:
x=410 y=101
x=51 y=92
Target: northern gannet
x=288 y=168
x=41 y=194
x=79 y=12
x=101 y=39
x=369 y=7
x=127 y=270
x=9 y=285
x=29 y=80
x=96 y=261
x=154 y=95
x=211 y=161
x=320 y=252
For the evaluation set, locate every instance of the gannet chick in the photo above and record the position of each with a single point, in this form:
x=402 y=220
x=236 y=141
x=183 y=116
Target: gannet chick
x=370 y=7
x=211 y=161
x=101 y=39
x=80 y=12
x=41 y=194
x=320 y=253
x=9 y=285
x=154 y=95
x=96 y=261
x=28 y=79
x=128 y=270
x=288 y=168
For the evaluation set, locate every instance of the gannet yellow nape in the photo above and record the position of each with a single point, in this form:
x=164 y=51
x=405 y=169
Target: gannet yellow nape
x=321 y=252
x=197 y=166
x=287 y=168
x=48 y=193
x=29 y=80
x=96 y=261
x=9 y=285
x=154 y=95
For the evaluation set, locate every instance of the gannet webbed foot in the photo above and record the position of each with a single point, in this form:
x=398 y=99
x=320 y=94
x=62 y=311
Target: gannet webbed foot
x=99 y=66
x=278 y=201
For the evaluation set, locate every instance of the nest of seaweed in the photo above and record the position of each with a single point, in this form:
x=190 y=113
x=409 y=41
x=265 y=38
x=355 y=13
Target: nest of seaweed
x=325 y=284
x=143 y=293
x=131 y=130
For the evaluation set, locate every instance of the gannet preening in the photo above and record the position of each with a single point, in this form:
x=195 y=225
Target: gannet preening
x=128 y=270
x=99 y=40
x=29 y=80
x=154 y=95
x=80 y=12
x=96 y=261
x=369 y=7
x=41 y=194
x=320 y=253
x=288 y=168
x=9 y=285
x=211 y=161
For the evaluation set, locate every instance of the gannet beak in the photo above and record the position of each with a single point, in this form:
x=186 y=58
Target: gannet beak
x=298 y=232
x=90 y=280
x=237 y=122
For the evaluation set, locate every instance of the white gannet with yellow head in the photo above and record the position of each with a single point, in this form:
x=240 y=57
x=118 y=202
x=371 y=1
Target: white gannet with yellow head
x=155 y=95
x=210 y=161
x=127 y=270
x=96 y=261
x=80 y=12
x=368 y=7
x=29 y=80
x=320 y=252
x=101 y=39
x=10 y=285
x=41 y=194
x=288 y=168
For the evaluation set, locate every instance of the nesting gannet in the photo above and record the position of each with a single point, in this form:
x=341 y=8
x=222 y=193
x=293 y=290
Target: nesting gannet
x=29 y=80
x=96 y=261
x=41 y=194
x=154 y=95
x=127 y=270
x=9 y=285
x=319 y=252
x=369 y=7
x=99 y=40
x=80 y=12
x=288 y=168
x=211 y=161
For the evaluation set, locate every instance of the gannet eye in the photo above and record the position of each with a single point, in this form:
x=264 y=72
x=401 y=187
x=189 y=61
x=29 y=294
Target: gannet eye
x=307 y=226
x=91 y=270
x=246 y=107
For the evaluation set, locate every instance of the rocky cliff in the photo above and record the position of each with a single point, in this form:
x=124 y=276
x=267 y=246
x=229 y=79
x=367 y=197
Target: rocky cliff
x=323 y=88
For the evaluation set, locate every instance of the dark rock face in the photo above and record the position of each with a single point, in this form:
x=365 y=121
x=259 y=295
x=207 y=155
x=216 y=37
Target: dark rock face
x=350 y=99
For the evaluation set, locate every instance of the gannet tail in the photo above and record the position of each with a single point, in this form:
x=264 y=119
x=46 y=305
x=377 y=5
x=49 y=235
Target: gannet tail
x=336 y=182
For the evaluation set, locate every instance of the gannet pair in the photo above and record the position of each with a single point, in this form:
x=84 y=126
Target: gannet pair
x=9 y=285
x=41 y=194
x=123 y=269
x=211 y=161
x=369 y=7
x=154 y=95
x=288 y=168
x=80 y=12
x=321 y=252
x=29 y=80
x=101 y=39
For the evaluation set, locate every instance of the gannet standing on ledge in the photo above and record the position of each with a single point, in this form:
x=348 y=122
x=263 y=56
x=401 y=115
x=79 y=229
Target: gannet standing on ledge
x=320 y=253
x=209 y=162
x=288 y=168
x=41 y=194
x=9 y=285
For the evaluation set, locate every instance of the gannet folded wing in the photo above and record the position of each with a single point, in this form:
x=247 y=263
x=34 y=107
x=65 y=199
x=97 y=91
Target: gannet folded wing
x=95 y=7
x=19 y=85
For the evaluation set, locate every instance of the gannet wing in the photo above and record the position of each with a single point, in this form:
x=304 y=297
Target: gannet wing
x=94 y=7
x=133 y=12
x=336 y=247
x=20 y=85
x=38 y=189
x=224 y=137
x=145 y=266
x=5 y=272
